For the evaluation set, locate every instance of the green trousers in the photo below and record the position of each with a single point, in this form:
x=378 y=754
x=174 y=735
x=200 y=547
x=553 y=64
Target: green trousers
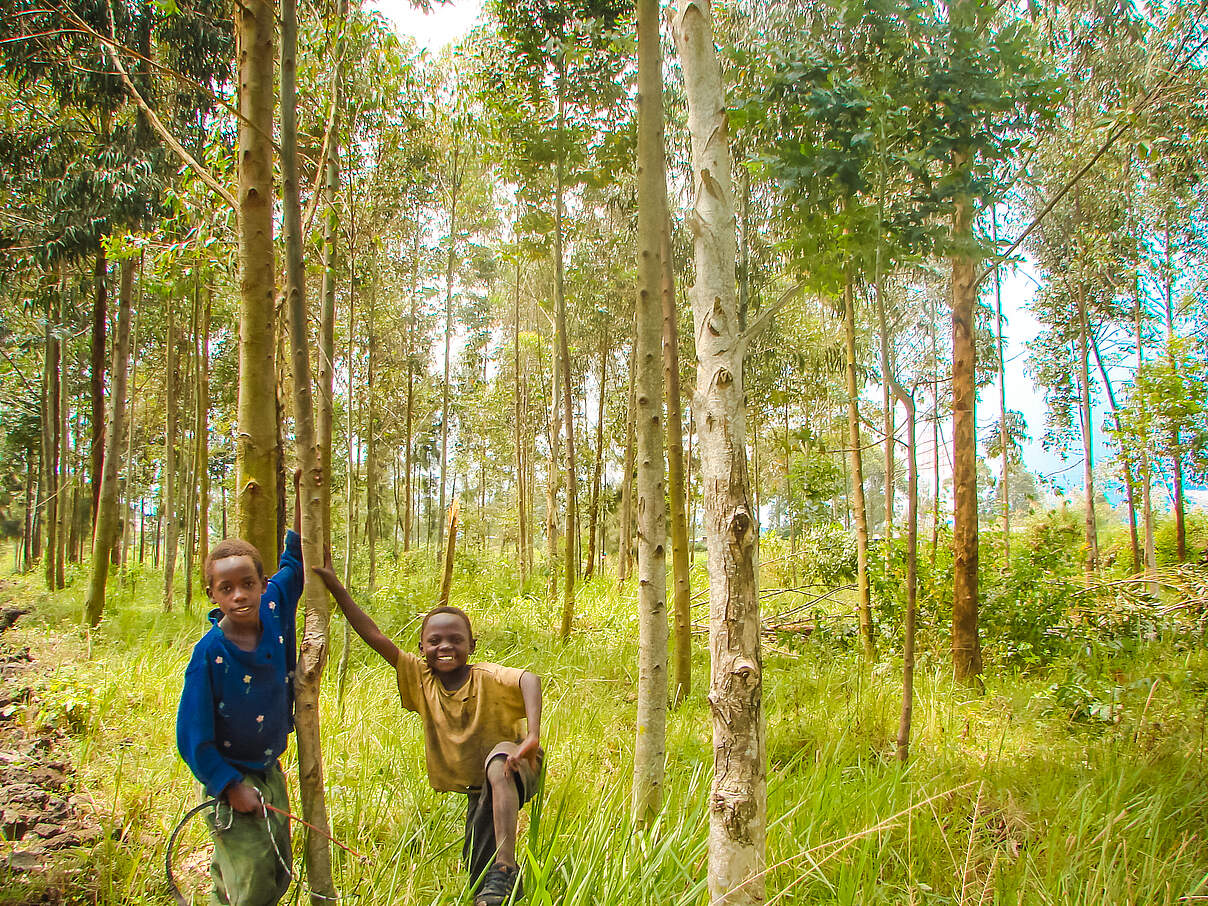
x=252 y=856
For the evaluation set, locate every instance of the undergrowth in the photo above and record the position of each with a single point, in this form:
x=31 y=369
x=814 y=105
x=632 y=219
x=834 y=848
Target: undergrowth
x=1077 y=781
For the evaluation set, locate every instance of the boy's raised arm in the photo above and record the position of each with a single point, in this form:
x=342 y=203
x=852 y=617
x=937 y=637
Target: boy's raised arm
x=530 y=690
x=357 y=618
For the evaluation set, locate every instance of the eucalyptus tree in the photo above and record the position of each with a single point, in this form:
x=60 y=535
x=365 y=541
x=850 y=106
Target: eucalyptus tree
x=738 y=799
x=107 y=517
x=653 y=245
x=853 y=191
x=996 y=92
x=257 y=453
x=1173 y=246
x=91 y=161
x=559 y=71
x=1083 y=243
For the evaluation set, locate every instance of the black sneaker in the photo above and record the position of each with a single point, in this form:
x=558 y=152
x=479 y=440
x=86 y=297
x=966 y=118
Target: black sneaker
x=500 y=885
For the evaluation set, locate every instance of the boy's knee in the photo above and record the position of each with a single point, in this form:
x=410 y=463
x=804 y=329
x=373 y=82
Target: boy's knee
x=497 y=772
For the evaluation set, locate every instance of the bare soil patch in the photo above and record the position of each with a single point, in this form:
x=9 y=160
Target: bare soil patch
x=43 y=821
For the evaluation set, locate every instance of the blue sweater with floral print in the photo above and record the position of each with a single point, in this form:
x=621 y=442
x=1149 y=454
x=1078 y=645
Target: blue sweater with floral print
x=237 y=707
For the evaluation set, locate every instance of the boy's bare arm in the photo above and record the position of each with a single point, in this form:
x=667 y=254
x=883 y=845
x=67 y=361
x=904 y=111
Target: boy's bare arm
x=357 y=618
x=530 y=690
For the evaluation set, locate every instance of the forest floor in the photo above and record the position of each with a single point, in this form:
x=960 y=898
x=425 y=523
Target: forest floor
x=1081 y=781
x=43 y=822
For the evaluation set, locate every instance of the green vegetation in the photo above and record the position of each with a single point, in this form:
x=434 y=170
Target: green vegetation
x=1078 y=777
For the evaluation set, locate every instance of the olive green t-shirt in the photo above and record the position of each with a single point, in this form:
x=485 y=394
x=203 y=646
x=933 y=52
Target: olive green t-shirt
x=461 y=726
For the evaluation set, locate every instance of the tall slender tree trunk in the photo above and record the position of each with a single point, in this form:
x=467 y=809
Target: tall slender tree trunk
x=1088 y=449
x=681 y=584
x=349 y=420
x=325 y=379
x=284 y=393
x=966 y=644
x=554 y=479
x=168 y=504
x=100 y=317
x=738 y=799
x=66 y=481
x=203 y=431
x=1151 y=564
x=593 y=514
x=649 y=753
x=912 y=582
x=107 y=528
x=1004 y=482
x=572 y=478
x=372 y=502
x=521 y=490
x=1180 y=517
x=935 y=436
x=859 y=509
x=312 y=653
x=455 y=186
x=51 y=377
x=625 y=530
x=530 y=463
x=27 y=524
x=77 y=513
x=325 y=414
x=1129 y=484
x=193 y=466
x=127 y=489
x=408 y=455
x=256 y=450
x=887 y=413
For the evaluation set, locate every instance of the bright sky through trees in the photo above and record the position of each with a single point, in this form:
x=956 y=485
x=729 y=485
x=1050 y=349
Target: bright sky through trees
x=446 y=24
x=443 y=25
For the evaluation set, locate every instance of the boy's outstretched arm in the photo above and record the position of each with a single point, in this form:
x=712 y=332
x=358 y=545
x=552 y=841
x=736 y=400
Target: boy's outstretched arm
x=530 y=689
x=357 y=618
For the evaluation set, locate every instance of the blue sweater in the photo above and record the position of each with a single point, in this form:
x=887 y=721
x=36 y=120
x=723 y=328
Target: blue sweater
x=237 y=707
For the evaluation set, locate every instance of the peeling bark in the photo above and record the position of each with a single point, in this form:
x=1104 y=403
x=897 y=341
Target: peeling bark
x=738 y=797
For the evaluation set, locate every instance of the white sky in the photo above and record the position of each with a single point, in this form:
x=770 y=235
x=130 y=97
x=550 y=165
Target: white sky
x=444 y=25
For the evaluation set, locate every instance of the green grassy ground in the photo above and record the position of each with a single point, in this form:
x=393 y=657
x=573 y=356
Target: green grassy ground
x=1083 y=782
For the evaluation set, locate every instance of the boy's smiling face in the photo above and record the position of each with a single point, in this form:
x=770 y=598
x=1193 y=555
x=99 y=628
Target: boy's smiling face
x=446 y=645
x=235 y=587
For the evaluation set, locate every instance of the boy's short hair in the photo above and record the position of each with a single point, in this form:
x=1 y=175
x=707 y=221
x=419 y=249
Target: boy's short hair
x=445 y=608
x=232 y=547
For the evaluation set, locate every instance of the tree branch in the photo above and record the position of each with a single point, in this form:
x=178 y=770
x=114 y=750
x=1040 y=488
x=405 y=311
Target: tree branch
x=1117 y=130
x=202 y=172
x=761 y=321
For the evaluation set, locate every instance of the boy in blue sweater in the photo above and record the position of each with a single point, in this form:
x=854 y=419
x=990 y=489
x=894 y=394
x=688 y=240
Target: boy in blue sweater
x=236 y=714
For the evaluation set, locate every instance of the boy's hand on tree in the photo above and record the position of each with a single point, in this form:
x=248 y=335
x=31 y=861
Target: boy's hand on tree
x=326 y=574
x=243 y=798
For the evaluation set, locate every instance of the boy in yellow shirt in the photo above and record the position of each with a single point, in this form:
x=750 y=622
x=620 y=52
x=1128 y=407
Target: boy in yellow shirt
x=473 y=737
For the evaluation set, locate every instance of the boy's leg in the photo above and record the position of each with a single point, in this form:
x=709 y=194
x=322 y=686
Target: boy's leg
x=252 y=857
x=506 y=809
x=499 y=810
x=478 y=852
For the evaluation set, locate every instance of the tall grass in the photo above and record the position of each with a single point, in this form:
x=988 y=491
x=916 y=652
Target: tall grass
x=1017 y=796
